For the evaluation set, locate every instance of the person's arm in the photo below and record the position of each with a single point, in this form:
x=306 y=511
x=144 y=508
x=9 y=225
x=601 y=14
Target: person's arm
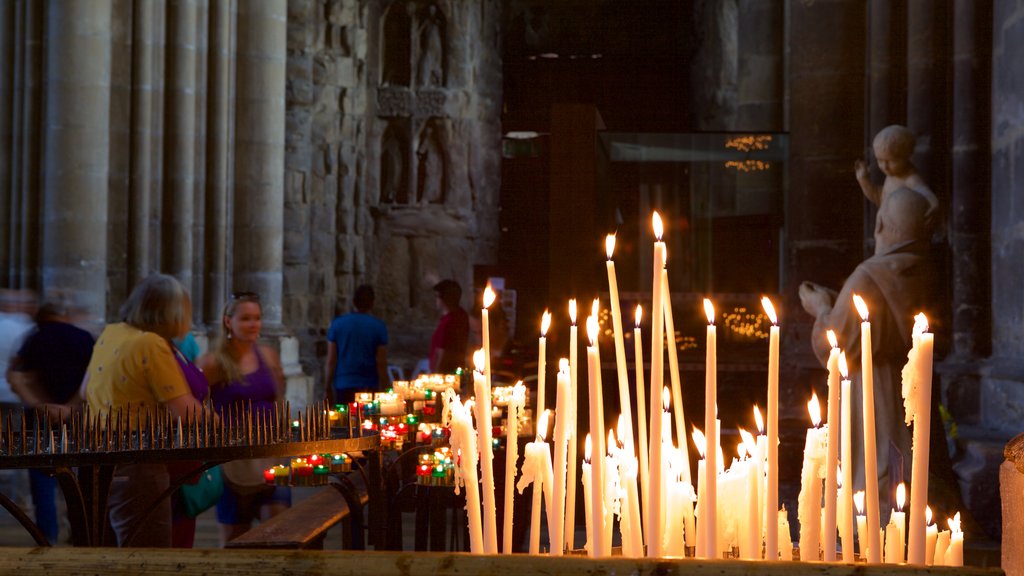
x=330 y=364
x=25 y=384
x=183 y=406
x=382 y=368
x=871 y=192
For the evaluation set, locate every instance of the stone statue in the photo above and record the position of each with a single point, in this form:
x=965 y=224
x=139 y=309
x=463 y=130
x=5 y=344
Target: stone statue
x=895 y=283
x=430 y=184
x=392 y=171
x=893 y=146
x=430 y=68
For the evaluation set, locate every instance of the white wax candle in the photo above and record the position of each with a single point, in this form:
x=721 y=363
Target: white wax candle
x=515 y=408
x=760 y=455
x=870 y=450
x=588 y=497
x=809 y=500
x=482 y=389
x=611 y=492
x=862 y=525
x=556 y=524
x=917 y=392
x=941 y=546
x=689 y=520
x=570 y=482
x=771 y=494
x=785 y=549
x=828 y=543
x=655 y=500
x=533 y=473
x=846 y=438
x=674 y=526
x=931 y=533
x=700 y=442
x=542 y=362
x=673 y=370
x=641 y=417
x=625 y=406
x=628 y=472
x=711 y=423
x=750 y=545
x=463 y=445
x=955 y=553
x=597 y=485
x=893 y=544
x=899 y=517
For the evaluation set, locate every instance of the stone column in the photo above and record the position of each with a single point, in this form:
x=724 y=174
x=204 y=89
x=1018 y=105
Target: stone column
x=218 y=159
x=927 y=77
x=259 y=152
x=7 y=27
x=179 y=167
x=77 y=149
x=141 y=148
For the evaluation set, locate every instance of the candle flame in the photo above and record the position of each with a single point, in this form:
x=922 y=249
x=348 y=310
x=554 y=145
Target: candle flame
x=832 y=339
x=563 y=365
x=814 y=409
x=639 y=315
x=592 y=329
x=542 y=425
x=748 y=441
x=769 y=309
x=545 y=323
x=609 y=245
x=659 y=229
x=844 y=370
x=488 y=296
x=666 y=398
x=901 y=496
x=700 y=441
x=572 y=311
x=758 y=420
x=862 y=307
x=920 y=324
x=928 y=515
x=709 y=311
x=954 y=524
x=858 y=501
x=588 y=448
x=478 y=360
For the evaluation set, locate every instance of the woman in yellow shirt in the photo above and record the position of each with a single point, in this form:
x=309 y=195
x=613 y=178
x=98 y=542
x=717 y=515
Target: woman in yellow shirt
x=133 y=364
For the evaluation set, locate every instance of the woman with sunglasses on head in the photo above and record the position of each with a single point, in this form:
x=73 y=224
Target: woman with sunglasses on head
x=241 y=370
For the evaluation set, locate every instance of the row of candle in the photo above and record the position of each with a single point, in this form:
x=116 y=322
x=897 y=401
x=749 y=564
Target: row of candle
x=308 y=470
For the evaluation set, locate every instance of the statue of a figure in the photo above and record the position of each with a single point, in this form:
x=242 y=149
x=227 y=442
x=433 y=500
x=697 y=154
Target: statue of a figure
x=392 y=169
x=893 y=146
x=430 y=68
x=430 y=169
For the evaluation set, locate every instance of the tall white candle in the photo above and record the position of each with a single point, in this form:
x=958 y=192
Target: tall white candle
x=750 y=534
x=587 y=474
x=760 y=456
x=611 y=491
x=641 y=411
x=673 y=370
x=534 y=472
x=628 y=468
x=917 y=394
x=870 y=453
x=809 y=500
x=542 y=362
x=557 y=523
x=570 y=482
x=846 y=438
x=482 y=389
x=515 y=409
x=710 y=423
x=828 y=544
x=700 y=442
x=771 y=493
x=655 y=500
x=463 y=445
x=597 y=485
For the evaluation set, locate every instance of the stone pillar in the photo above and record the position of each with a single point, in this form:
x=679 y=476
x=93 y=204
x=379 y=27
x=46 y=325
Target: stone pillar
x=180 y=126
x=77 y=151
x=927 y=77
x=761 y=77
x=218 y=158
x=259 y=152
x=7 y=36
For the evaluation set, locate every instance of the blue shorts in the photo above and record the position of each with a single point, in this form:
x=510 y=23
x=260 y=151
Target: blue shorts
x=234 y=508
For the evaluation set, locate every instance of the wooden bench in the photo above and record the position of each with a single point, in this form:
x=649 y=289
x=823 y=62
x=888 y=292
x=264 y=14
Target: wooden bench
x=305 y=524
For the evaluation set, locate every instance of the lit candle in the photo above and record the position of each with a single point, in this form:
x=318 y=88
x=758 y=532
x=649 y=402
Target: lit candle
x=785 y=549
x=899 y=518
x=709 y=522
x=641 y=410
x=750 y=533
x=771 y=493
x=828 y=544
x=675 y=543
x=846 y=438
x=482 y=389
x=515 y=410
x=611 y=491
x=463 y=443
x=655 y=499
x=628 y=473
x=588 y=495
x=673 y=370
x=570 y=503
x=545 y=322
x=700 y=442
x=955 y=553
x=563 y=410
x=892 y=543
x=870 y=455
x=862 y=525
x=917 y=394
x=931 y=533
x=760 y=454
x=809 y=500
x=941 y=546
x=597 y=485
x=535 y=472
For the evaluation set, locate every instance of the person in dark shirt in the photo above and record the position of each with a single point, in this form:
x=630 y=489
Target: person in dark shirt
x=356 y=351
x=49 y=368
x=451 y=337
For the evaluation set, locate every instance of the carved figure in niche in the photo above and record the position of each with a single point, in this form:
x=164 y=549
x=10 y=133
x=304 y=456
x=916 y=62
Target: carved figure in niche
x=396 y=62
x=893 y=147
x=430 y=67
x=430 y=168
x=392 y=171
x=335 y=26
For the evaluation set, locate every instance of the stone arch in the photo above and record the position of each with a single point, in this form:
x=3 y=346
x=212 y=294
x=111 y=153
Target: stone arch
x=431 y=164
x=394 y=166
x=396 y=67
x=431 y=46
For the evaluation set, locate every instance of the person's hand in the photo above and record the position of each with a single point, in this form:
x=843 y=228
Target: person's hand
x=860 y=170
x=816 y=299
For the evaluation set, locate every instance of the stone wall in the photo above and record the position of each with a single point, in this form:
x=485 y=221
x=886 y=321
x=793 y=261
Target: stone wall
x=392 y=161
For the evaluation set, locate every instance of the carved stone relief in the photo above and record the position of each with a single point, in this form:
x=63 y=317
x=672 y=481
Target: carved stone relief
x=431 y=180
x=430 y=32
x=394 y=180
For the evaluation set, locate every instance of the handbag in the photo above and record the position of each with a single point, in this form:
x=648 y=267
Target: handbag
x=203 y=494
x=245 y=477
